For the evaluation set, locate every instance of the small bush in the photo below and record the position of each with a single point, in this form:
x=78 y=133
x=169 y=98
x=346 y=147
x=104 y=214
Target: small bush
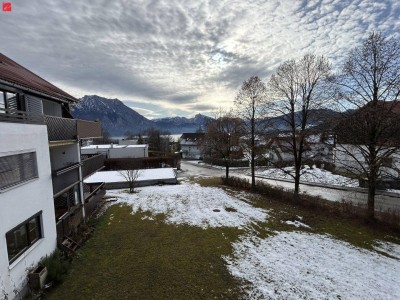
x=57 y=267
x=236 y=182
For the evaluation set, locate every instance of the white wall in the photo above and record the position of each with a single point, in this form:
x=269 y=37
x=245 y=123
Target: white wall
x=128 y=152
x=118 y=151
x=22 y=202
x=64 y=156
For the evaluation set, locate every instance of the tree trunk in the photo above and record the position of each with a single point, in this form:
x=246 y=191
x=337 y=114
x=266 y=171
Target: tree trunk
x=371 y=199
x=227 y=170
x=253 y=132
x=297 y=183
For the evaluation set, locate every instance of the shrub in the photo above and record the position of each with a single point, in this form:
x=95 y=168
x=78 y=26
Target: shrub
x=57 y=266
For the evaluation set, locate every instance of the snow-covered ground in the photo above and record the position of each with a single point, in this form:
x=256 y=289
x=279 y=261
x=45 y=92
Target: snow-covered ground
x=315 y=175
x=293 y=265
x=193 y=205
x=288 y=265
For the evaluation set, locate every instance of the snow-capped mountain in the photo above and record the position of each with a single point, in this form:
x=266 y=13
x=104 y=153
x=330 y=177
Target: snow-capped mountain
x=117 y=118
x=182 y=124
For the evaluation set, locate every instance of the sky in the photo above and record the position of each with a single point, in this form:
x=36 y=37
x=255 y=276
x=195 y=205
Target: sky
x=181 y=57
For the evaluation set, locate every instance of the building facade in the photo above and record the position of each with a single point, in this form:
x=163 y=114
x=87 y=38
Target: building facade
x=41 y=172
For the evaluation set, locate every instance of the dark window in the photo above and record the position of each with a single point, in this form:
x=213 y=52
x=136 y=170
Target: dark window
x=18 y=168
x=23 y=236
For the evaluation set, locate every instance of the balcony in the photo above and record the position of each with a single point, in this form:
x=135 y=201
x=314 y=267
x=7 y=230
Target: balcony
x=59 y=129
x=65 y=178
x=19 y=116
x=92 y=164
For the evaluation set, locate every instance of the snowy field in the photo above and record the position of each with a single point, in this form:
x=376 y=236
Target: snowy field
x=310 y=266
x=288 y=265
x=193 y=205
x=314 y=175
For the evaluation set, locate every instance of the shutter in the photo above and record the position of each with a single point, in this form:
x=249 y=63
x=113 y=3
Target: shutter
x=33 y=105
x=12 y=103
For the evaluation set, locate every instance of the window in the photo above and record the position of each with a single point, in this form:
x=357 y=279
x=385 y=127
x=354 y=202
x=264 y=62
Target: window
x=23 y=236
x=18 y=168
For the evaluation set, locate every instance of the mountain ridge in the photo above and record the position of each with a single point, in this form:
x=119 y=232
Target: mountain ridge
x=118 y=119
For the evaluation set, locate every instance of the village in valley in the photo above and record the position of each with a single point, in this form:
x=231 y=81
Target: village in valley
x=290 y=190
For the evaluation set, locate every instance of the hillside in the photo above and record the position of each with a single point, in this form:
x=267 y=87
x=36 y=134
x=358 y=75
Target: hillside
x=117 y=118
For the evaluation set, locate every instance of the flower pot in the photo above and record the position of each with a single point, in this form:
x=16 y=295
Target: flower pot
x=37 y=278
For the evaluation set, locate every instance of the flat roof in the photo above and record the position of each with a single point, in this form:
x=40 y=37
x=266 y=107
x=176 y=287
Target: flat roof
x=144 y=174
x=112 y=146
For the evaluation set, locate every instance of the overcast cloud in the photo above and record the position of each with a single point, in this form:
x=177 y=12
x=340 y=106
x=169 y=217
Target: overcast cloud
x=176 y=57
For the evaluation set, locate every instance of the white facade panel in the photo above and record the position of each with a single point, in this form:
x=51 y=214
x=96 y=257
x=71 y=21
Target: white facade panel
x=20 y=202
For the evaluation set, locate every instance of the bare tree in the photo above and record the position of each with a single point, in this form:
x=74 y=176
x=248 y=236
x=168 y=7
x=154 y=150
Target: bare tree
x=250 y=104
x=368 y=135
x=221 y=139
x=130 y=176
x=297 y=89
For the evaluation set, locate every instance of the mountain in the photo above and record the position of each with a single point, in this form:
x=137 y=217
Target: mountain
x=117 y=118
x=316 y=117
x=182 y=124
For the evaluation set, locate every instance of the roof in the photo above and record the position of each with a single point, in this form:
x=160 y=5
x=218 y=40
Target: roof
x=144 y=174
x=192 y=136
x=109 y=146
x=14 y=74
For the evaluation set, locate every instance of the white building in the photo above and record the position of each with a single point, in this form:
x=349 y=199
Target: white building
x=117 y=151
x=190 y=144
x=27 y=227
x=41 y=173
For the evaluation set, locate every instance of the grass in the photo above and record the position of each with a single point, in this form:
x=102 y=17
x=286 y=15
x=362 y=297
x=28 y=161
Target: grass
x=131 y=258
x=137 y=257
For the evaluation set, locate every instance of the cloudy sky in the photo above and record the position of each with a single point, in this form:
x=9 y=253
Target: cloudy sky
x=180 y=57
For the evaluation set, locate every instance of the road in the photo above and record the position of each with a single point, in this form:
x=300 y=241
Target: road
x=354 y=195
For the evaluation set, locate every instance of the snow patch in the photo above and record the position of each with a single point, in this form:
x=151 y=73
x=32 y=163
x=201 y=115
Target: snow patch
x=193 y=205
x=309 y=266
x=314 y=175
x=296 y=223
x=388 y=248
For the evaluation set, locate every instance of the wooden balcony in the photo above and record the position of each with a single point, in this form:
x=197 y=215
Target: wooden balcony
x=19 y=116
x=88 y=129
x=58 y=129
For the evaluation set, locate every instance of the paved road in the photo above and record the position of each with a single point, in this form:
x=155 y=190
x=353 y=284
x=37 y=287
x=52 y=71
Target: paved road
x=356 y=196
x=189 y=169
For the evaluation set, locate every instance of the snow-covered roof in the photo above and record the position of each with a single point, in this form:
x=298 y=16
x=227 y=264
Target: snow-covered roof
x=145 y=174
x=109 y=146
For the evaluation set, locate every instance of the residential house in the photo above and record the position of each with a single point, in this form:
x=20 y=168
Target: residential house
x=317 y=148
x=190 y=145
x=353 y=135
x=41 y=190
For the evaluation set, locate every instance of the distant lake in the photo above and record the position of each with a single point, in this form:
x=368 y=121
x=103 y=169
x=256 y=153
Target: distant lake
x=174 y=137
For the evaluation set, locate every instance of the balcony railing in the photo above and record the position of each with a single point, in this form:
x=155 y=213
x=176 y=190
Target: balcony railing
x=92 y=164
x=88 y=129
x=19 y=116
x=58 y=129
x=65 y=178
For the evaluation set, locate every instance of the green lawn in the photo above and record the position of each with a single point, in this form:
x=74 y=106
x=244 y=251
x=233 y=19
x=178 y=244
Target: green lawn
x=132 y=257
